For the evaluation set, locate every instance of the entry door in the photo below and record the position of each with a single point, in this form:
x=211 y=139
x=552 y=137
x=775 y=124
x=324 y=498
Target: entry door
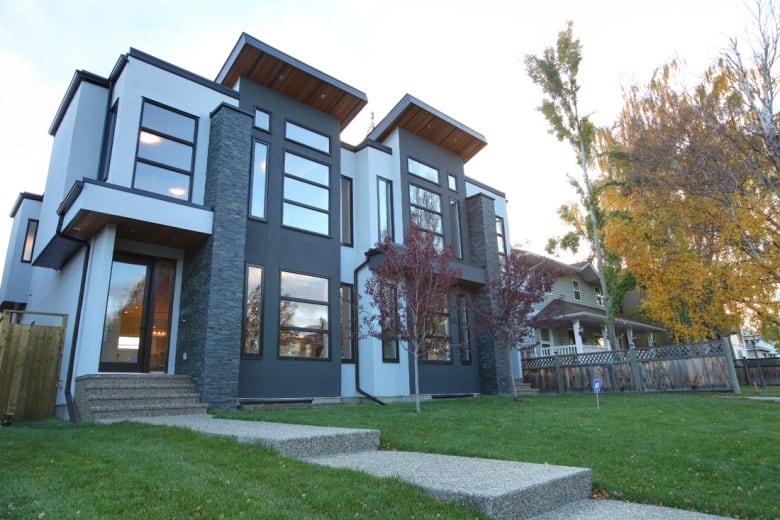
x=136 y=330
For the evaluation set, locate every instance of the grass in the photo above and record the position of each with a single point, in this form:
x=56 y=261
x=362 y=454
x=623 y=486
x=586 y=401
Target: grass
x=53 y=469
x=704 y=452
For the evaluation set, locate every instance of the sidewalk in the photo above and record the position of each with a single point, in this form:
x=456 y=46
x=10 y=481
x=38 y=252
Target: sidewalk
x=500 y=489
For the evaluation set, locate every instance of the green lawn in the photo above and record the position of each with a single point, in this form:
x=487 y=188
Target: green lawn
x=58 y=470
x=706 y=452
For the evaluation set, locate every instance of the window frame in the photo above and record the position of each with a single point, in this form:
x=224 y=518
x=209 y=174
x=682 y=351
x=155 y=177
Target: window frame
x=445 y=319
x=455 y=228
x=438 y=235
x=260 y=305
x=575 y=284
x=326 y=332
x=312 y=144
x=259 y=110
x=176 y=139
x=252 y=178
x=388 y=208
x=308 y=207
x=28 y=247
x=410 y=160
x=463 y=330
x=599 y=295
x=348 y=218
x=351 y=327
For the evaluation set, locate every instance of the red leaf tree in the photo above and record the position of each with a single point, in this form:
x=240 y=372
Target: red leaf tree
x=508 y=319
x=409 y=292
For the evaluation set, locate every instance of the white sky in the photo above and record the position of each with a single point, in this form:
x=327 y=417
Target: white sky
x=464 y=58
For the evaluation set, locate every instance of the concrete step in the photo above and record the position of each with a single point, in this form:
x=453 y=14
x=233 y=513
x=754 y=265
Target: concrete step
x=110 y=396
x=500 y=489
x=291 y=440
x=525 y=388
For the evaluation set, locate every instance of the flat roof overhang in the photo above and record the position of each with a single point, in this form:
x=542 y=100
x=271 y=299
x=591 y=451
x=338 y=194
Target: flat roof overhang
x=91 y=205
x=278 y=71
x=425 y=121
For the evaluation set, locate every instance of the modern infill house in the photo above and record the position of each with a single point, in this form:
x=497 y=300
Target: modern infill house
x=219 y=230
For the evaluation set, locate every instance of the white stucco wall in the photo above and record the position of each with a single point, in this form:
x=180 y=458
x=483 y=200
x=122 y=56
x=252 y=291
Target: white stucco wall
x=15 y=284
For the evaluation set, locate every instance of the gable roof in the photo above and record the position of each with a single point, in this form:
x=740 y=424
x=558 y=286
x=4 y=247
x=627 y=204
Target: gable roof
x=585 y=270
x=421 y=119
x=278 y=71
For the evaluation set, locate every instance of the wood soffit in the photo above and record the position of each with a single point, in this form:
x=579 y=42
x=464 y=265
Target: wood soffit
x=271 y=68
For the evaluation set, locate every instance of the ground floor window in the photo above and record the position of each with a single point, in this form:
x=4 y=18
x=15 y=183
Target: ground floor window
x=303 y=316
x=437 y=346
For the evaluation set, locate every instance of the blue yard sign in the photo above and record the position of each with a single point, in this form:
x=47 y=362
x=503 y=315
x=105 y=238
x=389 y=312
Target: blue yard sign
x=597 y=390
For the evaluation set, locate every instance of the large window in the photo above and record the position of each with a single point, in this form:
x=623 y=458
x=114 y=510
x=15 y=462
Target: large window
x=29 y=241
x=166 y=151
x=259 y=180
x=385 y=207
x=425 y=207
x=348 y=328
x=423 y=171
x=306 y=194
x=253 y=312
x=303 y=316
x=346 y=211
x=457 y=242
x=438 y=347
x=306 y=137
x=575 y=285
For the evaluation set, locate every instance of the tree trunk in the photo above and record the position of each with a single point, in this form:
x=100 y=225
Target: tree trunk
x=512 y=374
x=416 y=381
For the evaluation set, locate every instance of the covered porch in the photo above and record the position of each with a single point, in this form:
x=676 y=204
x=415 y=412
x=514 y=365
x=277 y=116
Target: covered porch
x=570 y=328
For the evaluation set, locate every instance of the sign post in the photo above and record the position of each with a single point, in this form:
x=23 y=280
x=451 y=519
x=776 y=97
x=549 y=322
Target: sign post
x=597 y=390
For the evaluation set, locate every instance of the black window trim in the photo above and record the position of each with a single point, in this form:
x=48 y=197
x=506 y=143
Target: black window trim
x=424 y=163
x=32 y=245
x=270 y=120
x=327 y=331
x=264 y=218
x=352 y=322
x=351 y=238
x=440 y=213
x=390 y=209
x=329 y=153
x=245 y=354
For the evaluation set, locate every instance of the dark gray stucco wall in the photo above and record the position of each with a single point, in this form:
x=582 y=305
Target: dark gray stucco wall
x=493 y=363
x=211 y=310
x=276 y=248
x=453 y=377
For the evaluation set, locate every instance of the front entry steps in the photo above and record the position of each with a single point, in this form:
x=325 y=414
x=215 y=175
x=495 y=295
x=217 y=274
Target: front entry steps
x=117 y=396
x=525 y=389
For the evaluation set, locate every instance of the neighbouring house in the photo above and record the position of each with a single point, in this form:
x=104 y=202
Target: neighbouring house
x=219 y=229
x=750 y=345
x=573 y=317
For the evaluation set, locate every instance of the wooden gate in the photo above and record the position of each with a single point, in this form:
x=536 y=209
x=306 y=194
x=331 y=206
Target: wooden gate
x=30 y=357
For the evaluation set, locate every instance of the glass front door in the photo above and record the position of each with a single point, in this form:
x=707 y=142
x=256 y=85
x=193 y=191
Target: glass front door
x=136 y=329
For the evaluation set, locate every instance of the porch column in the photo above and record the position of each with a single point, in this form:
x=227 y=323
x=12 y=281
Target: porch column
x=630 y=337
x=605 y=337
x=650 y=340
x=577 y=336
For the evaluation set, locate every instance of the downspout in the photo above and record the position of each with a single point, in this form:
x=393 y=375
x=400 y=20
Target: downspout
x=76 y=324
x=357 y=346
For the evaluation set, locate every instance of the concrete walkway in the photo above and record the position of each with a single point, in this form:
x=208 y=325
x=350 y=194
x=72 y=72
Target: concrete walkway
x=500 y=489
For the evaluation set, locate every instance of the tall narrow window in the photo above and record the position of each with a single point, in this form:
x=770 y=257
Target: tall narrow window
x=259 y=180
x=385 y=208
x=576 y=287
x=457 y=242
x=166 y=151
x=463 y=329
x=599 y=295
x=346 y=211
x=438 y=347
x=29 y=241
x=501 y=241
x=306 y=194
x=348 y=332
x=253 y=312
x=303 y=316
x=452 y=182
x=425 y=208
x=389 y=342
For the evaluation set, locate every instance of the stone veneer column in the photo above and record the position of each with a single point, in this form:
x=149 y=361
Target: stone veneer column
x=212 y=295
x=494 y=372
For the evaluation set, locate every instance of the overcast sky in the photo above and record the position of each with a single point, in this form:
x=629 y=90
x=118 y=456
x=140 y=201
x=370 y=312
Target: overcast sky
x=464 y=58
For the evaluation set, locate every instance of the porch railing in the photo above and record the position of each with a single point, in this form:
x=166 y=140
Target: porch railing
x=562 y=350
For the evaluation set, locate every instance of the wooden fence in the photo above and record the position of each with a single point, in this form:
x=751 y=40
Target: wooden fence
x=697 y=366
x=30 y=357
x=759 y=372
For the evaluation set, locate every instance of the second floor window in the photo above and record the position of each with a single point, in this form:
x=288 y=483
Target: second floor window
x=29 y=241
x=384 y=189
x=425 y=208
x=577 y=293
x=599 y=295
x=306 y=194
x=166 y=151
